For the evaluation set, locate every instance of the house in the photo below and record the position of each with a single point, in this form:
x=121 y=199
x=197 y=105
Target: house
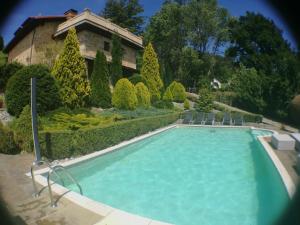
x=40 y=38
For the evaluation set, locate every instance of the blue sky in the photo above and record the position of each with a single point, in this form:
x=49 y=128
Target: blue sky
x=54 y=7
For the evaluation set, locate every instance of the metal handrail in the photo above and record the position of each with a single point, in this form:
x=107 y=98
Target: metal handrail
x=36 y=193
x=52 y=169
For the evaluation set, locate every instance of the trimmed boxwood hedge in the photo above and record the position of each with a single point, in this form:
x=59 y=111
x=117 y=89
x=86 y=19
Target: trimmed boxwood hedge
x=62 y=144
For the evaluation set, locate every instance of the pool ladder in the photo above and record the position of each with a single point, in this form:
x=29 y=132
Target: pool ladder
x=52 y=170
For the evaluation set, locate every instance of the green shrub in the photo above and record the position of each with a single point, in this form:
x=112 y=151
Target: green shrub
x=124 y=96
x=23 y=130
x=186 y=104
x=162 y=104
x=57 y=145
x=100 y=90
x=136 y=78
x=7 y=143
x=168 y=95
x=17 y=94
x=205 y=101
x=1 y=101
x=294 y=110
x=143 y=95
x=178 y=91
x=6 y=71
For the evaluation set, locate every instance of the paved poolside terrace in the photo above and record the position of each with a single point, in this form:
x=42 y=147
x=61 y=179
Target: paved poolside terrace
x=16 y=191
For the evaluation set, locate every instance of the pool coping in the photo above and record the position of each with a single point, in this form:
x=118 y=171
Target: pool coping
x=112 y=214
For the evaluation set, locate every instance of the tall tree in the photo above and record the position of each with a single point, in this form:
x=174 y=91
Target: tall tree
x=100 y=90
x=257 y=42
x=206 y=25
x=70 y=72
x=150 y=71
x=167 y=33
x=116 y=71
x=125 y=13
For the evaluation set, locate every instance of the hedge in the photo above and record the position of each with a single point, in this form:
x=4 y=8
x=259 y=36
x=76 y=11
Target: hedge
x=248 y=117
x=62 y=144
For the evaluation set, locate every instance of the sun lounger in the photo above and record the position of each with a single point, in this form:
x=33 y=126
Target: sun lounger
x=210 y=120
x=282 y=142
x=188 y=118
x=200 y=118
x=238 y=120
x=226 y=119
x=296 y=136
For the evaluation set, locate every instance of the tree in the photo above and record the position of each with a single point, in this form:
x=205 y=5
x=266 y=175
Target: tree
x=143 y=95
x=1 y=43
x=206 y=24
x=124 y=96
x=166 y=32
x=125 y=13
x=270 y=55
x=205 y=101
x=178 y=91
x=100 y=90
x=6 y=71
x=247 y=84
x=116 y=62
x=168 y=95
x=150 y=71
x=70 y=72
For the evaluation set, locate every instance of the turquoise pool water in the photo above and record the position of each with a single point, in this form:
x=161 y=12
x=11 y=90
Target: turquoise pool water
x=189 y=175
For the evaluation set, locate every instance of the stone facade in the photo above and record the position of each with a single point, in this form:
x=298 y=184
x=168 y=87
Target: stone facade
x=31 y=48
x=43 y=43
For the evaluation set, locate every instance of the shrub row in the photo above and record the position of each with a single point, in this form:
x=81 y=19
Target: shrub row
x=248 y=117
x=57 y=145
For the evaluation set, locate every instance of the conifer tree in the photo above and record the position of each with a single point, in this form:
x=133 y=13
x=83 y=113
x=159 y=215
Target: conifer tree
x=70 y=72
x=150 y=71
x=168 y=95
x=116 y=61
x=143 y=95
x=100 y=91
x=124 y=96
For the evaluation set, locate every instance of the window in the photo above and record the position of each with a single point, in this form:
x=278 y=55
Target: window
x=106 y=46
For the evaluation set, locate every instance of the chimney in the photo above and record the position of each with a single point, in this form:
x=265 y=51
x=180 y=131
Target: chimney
x=70 y=13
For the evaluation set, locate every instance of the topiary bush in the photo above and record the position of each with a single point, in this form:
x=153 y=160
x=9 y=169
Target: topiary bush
x=178 y=91
x=6 y=71
x=205 y=101
x=7 y=143
x=186 y=104
x=17 y=94
x=124 y=96
x=136 y=78
x=294 y=110
x=143 y=95
x=168 y=95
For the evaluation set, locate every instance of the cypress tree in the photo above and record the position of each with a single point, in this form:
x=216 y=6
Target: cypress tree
x=70 y=72
x=100 y=91
x=116 y=61
x=150 y=71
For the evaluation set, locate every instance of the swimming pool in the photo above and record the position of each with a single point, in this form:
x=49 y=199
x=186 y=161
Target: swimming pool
x=189 y=175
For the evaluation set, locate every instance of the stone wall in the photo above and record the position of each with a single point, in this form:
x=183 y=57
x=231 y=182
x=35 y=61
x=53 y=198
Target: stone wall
x=90 y=42
x=31 y=49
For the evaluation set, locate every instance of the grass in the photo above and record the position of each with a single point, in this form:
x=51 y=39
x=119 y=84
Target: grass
x=66 y=119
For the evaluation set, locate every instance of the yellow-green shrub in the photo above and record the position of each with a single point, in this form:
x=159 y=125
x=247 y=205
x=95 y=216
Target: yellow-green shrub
x=186 y=104
x=143 y=95
x=168 y=95
x=178 y=91
x=124 y=96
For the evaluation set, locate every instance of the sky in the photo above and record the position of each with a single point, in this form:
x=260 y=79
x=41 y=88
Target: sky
x=58 y=7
